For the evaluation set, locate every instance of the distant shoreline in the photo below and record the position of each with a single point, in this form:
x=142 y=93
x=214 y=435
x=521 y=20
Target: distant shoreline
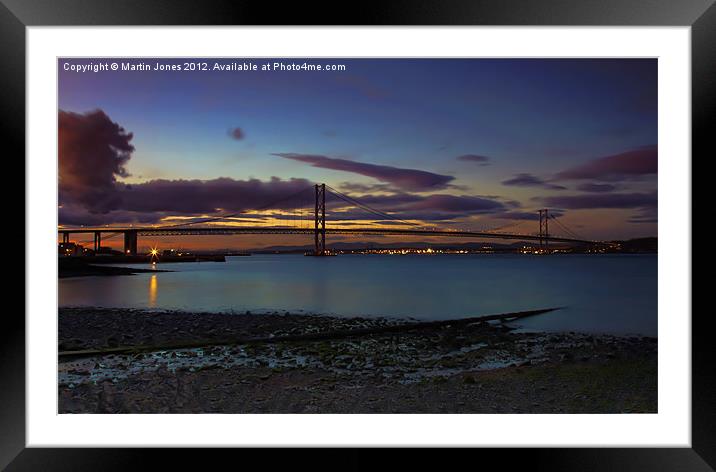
x=74 y=268
x=87 y=266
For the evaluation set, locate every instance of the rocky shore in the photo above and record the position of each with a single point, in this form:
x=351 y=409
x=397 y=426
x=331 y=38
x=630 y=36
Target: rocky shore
x=478 y=368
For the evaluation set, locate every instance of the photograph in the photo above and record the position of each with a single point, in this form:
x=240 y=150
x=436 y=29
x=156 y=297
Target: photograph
x=357 y=235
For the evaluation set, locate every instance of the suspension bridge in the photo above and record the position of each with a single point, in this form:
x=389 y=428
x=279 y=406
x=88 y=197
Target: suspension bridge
x=298 y=216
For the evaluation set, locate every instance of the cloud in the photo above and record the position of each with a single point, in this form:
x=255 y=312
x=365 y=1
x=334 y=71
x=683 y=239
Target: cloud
x=437 y=202
x=78 y=215
x=364 y=188
x=404 y=179
x=482 y=160
x=409 y=206
x=596 y=188
x=437 y=207
x=205 y=196
x=93 y=152
x=624 y=166
x=391 y=201
x=604 y=200
x=525 y=215
x=529 y=180
x=237 y=134
x=345 y=217
x=151 y=201
x=457 y=204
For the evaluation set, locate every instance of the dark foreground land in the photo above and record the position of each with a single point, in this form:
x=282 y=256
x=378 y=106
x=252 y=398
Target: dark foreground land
x=478 y=368
x=79 y=267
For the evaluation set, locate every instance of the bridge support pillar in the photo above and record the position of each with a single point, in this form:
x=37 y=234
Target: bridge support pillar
x=65 y=238
x=97 y=241
x=319 y=234
x=130 y=242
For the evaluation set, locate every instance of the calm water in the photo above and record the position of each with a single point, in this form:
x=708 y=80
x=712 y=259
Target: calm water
x=612 y=294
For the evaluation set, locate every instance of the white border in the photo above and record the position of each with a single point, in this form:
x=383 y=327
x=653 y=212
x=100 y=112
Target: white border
x=670 y=427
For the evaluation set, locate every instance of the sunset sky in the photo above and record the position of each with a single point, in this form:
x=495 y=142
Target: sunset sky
x=454 y=143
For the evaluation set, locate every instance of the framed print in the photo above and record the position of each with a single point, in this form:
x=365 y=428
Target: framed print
x=416 y=226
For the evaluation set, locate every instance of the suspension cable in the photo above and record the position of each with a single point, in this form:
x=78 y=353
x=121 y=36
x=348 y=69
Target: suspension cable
x=368 y=208
x=567 y=230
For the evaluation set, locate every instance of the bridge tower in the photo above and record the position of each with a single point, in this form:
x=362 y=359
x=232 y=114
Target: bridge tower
x=130 y=242
x=320 y=221
x=543 y=228
x=97 y=241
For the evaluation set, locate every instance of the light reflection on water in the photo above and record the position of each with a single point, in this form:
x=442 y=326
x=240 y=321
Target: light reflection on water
x=612 y=293
x=153 y=291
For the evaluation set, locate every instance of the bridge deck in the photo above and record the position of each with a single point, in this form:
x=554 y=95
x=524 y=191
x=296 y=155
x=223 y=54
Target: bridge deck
x=228 y=230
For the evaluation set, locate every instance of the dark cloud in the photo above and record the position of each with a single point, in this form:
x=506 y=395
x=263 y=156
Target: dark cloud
x=404 y=179
x=93 y=152
x=440 y=207
x=482 y=160
x=525 y=215
x=624 y=166
x=604 y=200
x=363 y=188
x=429 y=216
x=358 y=215
x=529 y=180
x=205 y=196
x=408 y=206
x=463 y=204
x=237 y=134
x=151 y=201
x=391 y=201
x=596 y=188
x=78 y=215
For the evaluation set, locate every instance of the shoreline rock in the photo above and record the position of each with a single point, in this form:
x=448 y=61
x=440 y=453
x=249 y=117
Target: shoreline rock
x=442 y=370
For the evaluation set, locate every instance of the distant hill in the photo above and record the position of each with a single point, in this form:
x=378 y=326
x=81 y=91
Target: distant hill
x=348 y=246
x=639 y=245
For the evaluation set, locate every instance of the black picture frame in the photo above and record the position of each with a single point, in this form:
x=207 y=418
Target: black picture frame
x=16 y=15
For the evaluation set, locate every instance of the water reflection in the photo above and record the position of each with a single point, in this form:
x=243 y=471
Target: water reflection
x=153 y=290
